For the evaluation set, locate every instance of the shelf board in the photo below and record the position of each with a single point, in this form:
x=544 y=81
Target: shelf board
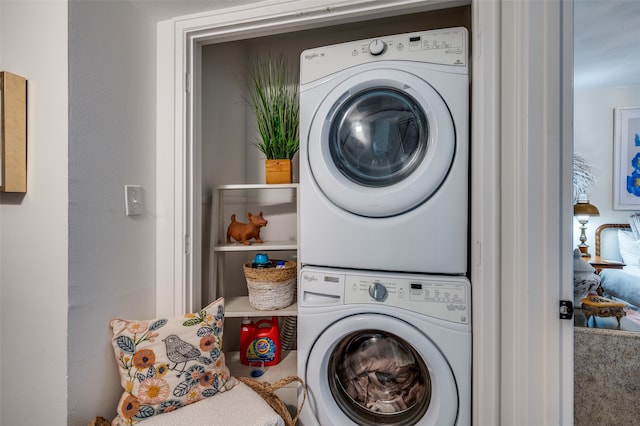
x=266 y=246
x=257 y=186
x=235 y=307
x=286 y=367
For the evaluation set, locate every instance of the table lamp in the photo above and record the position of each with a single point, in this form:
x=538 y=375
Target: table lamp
x=582 y=209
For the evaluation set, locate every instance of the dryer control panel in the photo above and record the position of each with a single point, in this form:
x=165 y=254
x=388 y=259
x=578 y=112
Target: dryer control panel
x=444 y=297
x=446 y=46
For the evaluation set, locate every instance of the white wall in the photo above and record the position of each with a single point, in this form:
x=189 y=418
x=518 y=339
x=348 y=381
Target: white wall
x=593 y=139
x=33 y=227
x=112 y=98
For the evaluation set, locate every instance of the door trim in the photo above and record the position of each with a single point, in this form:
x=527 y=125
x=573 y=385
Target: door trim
x=511 y=258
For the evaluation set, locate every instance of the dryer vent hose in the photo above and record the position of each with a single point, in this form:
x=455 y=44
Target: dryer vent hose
x=288 y=333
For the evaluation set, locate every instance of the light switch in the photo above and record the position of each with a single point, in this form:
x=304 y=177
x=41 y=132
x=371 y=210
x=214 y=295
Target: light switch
x=133 y=200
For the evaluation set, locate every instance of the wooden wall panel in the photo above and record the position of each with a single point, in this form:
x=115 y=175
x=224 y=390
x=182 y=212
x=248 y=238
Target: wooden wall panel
x=14 y=132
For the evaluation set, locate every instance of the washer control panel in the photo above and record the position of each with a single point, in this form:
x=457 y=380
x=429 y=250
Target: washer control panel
x=444 y=297
x=378 y=291
x=432 y=296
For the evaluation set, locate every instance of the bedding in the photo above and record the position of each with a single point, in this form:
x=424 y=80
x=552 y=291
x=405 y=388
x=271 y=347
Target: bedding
x=629 y=248
x=623 y=284
x=634 y=224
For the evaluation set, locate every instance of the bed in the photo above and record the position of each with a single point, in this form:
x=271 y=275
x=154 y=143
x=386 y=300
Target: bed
x=616 y=243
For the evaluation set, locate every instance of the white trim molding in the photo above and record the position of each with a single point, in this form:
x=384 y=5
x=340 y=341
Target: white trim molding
x=485 y=212
x=536 y=236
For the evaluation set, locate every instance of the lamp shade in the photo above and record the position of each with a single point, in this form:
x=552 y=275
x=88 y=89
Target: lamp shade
x=584 y=208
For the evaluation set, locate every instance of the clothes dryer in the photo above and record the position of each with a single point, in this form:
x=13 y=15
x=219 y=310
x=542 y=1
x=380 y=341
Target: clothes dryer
x=384 y=349
x=384 y=132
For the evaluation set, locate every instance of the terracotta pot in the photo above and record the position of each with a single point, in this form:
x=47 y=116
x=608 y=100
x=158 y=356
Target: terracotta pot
x=279 y=171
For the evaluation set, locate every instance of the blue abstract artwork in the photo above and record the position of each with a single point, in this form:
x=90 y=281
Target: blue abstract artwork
x=627 y=158
x=633 y=180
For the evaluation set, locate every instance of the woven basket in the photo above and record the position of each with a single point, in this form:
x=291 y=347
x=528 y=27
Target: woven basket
x=268 y=392
x=271 y=288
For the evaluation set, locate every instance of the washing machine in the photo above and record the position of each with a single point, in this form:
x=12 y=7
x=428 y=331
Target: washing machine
x=384 y=142
x=379 y=348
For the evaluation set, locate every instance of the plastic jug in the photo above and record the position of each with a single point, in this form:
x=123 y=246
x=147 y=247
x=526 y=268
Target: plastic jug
x=260 y=341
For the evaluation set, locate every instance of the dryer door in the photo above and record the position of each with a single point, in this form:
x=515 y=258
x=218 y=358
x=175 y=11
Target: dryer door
x=377 y=369
x=381 y=143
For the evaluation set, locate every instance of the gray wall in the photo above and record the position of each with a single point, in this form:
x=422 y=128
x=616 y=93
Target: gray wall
x=112 y=74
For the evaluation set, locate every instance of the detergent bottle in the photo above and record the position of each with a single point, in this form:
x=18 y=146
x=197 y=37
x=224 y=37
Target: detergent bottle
x=260 y=341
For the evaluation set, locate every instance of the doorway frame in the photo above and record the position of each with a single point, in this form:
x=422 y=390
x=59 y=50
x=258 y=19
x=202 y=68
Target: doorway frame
x=512 y=143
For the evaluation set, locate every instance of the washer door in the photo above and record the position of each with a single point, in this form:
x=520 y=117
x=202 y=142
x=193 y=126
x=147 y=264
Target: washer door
x=377 y=369
x=381 y=143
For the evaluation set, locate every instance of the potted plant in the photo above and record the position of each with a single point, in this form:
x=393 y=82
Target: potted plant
x=274 y=99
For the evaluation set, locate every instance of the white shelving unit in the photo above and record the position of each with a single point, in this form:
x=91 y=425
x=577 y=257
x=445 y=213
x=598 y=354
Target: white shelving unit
x=238 y=306
x=280 y=235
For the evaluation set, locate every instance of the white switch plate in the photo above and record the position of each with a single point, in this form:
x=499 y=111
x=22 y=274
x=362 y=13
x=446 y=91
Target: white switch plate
x=133 y=200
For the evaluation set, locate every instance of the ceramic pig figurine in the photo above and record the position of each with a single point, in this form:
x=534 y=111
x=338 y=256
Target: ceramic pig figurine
x=243 y=232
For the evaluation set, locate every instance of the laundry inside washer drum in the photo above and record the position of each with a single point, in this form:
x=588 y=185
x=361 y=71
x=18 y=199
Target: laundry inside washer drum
x=378 y=377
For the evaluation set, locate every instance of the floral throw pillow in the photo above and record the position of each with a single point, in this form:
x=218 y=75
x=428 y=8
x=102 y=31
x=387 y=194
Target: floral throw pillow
x=167 y=363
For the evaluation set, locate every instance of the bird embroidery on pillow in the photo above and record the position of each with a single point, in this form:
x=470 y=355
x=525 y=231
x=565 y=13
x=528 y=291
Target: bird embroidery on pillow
x=181 y=352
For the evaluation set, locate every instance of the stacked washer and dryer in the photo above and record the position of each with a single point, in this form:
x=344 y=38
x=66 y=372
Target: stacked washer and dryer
x=384 y=331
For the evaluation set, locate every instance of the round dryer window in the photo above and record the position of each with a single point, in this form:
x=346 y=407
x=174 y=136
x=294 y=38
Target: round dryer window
x=378 y=137
x=377 y=369
x=381 y=143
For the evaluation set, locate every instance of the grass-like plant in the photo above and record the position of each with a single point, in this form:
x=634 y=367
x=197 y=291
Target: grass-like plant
x=274 y=99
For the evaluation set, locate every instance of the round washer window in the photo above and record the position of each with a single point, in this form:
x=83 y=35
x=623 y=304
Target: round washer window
x=378 y=378
x=378 y=137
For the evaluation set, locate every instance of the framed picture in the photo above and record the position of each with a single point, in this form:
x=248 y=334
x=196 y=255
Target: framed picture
x=626 y=159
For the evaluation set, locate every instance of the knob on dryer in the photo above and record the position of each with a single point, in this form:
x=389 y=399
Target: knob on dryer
x=377 y=47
